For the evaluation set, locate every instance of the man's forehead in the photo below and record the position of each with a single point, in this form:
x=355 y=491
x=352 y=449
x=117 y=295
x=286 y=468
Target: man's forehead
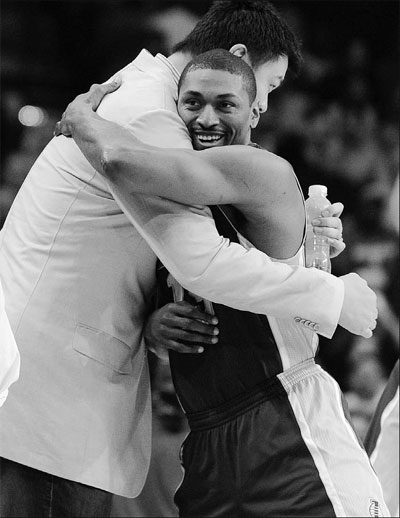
x=210 y=78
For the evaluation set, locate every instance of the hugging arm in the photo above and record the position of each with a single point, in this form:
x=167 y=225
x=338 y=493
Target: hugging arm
x=234 y=174
x=198 y=257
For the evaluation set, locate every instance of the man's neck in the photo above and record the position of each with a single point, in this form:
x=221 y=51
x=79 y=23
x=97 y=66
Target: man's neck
x=180 y=60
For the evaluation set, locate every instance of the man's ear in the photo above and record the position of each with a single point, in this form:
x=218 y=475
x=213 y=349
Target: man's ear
x=255 y=116
x=240 y=50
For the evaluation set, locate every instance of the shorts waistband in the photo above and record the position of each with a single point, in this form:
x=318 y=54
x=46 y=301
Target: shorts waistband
x=221 y=414
x=290 y=377
x=276 y=386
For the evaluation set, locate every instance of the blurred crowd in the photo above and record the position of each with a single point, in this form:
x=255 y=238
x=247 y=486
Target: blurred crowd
x=338 y=126
x=337 y=123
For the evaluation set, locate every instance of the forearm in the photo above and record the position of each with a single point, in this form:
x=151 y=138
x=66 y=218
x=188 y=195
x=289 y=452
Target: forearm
x=132 y=166
x=238 y=174
x=254 y=283
x=187 y=243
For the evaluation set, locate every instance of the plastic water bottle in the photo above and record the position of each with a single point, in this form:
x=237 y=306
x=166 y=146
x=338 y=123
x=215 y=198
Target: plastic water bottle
x=317 y=246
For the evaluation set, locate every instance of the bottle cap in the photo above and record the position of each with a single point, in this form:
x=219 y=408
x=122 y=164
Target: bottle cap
x=317 y=190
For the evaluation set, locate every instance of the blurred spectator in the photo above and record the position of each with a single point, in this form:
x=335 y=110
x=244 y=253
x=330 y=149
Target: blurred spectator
x=32 y=140
x=174 y=24
x=391 y=210
x=366 y=382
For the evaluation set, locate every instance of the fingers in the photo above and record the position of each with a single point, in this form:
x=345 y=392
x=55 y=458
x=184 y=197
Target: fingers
x=89 y=100
x=331 y=233
x=331 y=227
x=62 y=128
x=335 y=210
x=160 y=349
x=185 y=309
x=370 y=328
x=187 y=326
x=178 y=347
x=331 y=222
x=336 y=247
x=371 y=317
x=367 y=333
x=97 y=92
x=114 y=84
x=181 y=327
x=193 y=326
x=367 y=330
x=57 y=129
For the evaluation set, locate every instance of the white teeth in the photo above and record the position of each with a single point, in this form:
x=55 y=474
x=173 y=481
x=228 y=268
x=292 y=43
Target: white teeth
x=209 y=138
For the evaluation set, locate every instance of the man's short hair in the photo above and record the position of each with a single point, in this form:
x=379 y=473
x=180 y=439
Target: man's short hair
x=221 y=59
x=255 y=23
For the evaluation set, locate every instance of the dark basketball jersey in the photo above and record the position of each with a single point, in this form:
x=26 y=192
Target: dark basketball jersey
x=245 y=356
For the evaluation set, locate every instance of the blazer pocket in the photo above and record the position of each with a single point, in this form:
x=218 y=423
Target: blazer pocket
x=104 y=348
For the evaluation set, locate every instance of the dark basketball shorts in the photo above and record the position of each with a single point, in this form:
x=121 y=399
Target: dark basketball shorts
x=284 y=449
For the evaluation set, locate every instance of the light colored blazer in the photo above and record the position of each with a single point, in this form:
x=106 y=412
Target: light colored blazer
x=77 y=279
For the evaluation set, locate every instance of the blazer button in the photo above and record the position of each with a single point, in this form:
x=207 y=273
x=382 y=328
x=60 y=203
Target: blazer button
x=316 y=327
x=297 y=319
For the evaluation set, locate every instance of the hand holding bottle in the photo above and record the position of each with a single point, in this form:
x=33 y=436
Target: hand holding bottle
x=330 y=225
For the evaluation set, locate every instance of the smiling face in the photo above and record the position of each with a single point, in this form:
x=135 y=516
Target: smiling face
x=215 y=106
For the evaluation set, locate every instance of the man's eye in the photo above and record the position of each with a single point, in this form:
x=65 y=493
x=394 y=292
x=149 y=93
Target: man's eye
x=192 y=103
x=226 y=106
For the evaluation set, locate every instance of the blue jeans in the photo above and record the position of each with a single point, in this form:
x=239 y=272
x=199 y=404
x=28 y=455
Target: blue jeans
x=28 y=492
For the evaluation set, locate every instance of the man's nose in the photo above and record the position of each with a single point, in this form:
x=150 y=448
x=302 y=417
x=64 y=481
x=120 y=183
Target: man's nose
x=263 y=104
x=208 y=117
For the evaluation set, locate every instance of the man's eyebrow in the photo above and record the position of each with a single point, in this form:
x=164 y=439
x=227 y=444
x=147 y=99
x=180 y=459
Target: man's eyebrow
x=219 y=96
x=223 y=96
x=192 y=92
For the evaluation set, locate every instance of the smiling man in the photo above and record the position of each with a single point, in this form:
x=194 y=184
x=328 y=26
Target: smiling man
x=198 y=90
x=267 y=423
x=214 y=114
x=244 y=393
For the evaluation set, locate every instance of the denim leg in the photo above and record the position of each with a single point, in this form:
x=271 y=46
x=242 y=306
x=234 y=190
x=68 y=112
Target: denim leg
x=28 y=493
x=24 y=492
x=71 y=499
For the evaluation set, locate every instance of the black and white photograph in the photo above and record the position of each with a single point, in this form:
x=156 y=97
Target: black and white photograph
x=199 y=258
